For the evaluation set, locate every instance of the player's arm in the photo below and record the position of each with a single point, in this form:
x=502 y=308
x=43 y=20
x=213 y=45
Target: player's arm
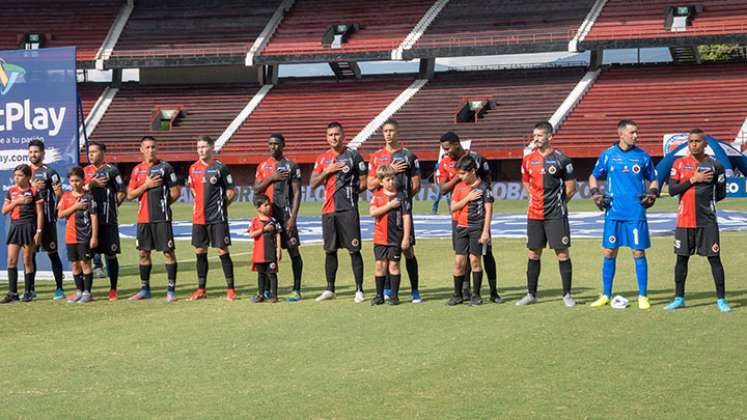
x=39 y=221
x=296 y=205
x=415 y=184
x=448 y=186
x=407 y=222
x=9 y=205
x=94 y=242
x=174 y=193
x=320 y=174
x=119 y=185
x=254 y=234
x=372 y=182
x=676 y=187
x=134 y=190
x=485 y=236
x=261 y=182
x=458 y=205
x=570 y=189
x=362 y=183
x=56 y=184
x=720 y=183
x=278 y=250
x=376 y=211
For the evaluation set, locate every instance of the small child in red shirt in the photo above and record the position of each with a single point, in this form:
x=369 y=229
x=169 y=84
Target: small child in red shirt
x=265 y=231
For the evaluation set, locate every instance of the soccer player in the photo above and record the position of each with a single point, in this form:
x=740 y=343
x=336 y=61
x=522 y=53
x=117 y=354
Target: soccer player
x=700 y=181
x=472 y=209
x=549 y=178
x=213 y=190
x=343 y=172
x=47 y=183
x=104 y=181
x=265 y=231
x=78 y=208
x=26 y=211
x=153 y=184
x=628 y=170
x=280 y=180
x=448 y=178
x=391 y=209
x=407 y=180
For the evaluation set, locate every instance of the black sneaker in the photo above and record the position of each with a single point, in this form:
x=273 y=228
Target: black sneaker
x=10 y=298
x=378 y=300
x=475 y=300
x=257 y=299
x=496 y=298
x=455 y=300
x=394 y=300
x=27 y=297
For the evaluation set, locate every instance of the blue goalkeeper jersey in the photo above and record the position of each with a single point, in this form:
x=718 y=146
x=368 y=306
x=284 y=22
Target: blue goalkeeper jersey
x=626 y=174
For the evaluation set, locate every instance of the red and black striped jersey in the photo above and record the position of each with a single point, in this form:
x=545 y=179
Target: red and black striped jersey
x=447 y=168
x=78 y=228
x=105 y=197
x=265 y=245
x=25 y=213
x=389 y=227
x=403 y=180
x=546 y=176
x=697 y=206
x=471 y=216
x=280 y=192
x=155 y=204
x=209 y=184
x=50 y=178
x=342 y=187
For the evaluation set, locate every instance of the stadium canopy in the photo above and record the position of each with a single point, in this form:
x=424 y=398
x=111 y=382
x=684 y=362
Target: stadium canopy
x=729 y=156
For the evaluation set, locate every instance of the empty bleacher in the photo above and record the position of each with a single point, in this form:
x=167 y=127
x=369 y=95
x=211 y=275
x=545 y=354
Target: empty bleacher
x=384 y=24
x=81 y=23
x=662 y=100
x=301 y=109
x=176 y=28
x=522 y=97
x=89 y=93
x=205 y=110
x=636 y=19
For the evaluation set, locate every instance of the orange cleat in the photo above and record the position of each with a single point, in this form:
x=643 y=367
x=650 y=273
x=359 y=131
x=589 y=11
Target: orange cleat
x=198 y=294
x=113 y=295
x=231 y=295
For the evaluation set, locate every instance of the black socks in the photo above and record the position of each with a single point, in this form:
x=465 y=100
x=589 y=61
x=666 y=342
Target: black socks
x=412 y=272
x=54 y=259
x=13 y=280
x=476 y=282
x=112 y=265
x=330 y=269
x=566 y=275
x=680 y=275
x=357 y=260
x=297 y=265
x=171 y=275
x=202 y=270
x=145 y=276
x=718 y=276
x=533 y=272
x=227 y=264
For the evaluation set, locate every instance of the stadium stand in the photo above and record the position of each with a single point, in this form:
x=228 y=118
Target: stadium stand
x=89 y=93
x=383 y=25
x=81 y=23
x=521 y=98
x=473 y=27
x=179 y=29
x=204 y=110
x=662 y=100
x=300 y=109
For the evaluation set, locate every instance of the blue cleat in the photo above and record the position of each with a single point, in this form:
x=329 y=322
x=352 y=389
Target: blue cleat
x=59 y=294
x=416 y=296
x=267 y=294
x=142 y=294
x=170 y=296
x=387 y=294
x=677 y=303
x=723 y=305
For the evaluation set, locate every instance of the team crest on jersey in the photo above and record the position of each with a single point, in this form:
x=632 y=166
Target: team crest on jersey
x=612 y=239
x=114 y=247
x=636 y=169
x=213 y=180
x=565 y=240
x=170 y=243
x=345 y=169
x=715 y=248
x=292 y=242
x=552 y=170
x=273 y=266
x=355 y=242
x=226 y=240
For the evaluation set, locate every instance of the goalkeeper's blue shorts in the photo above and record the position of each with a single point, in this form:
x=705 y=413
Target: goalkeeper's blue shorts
x=633 y=234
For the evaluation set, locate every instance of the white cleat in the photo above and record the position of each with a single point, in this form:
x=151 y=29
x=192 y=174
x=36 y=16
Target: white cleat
x=568 y=301
x=99 y=273
x=326 y=295
x=359 y=297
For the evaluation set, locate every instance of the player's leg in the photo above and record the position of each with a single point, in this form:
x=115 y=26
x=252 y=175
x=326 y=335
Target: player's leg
x=684 y=247
x=348 y=228
x=98 y=265
x=395 y=275
x=144 y=244
x=49 y=244
x=461 y=249
x=112 y=265
x=491 y=271
x=200 y=242
x=261 y=269
x=475 y=263
x=272 y=282
x=109 y=246
x=380 y=270
x=411 y=265
x=165 y=243
x=87 y=270
x=13 y=251
x=710 y=246
x=566 y=275
x=29 y=272
x=534 y=256
x=558 y=232
x=291 y=242
x=77 y=277
x=227 y=265
x=610 y=246
x=329 y=234
x=637 y=237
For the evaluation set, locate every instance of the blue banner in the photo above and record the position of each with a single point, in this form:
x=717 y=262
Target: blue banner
x=38 y=99
x=736 y=187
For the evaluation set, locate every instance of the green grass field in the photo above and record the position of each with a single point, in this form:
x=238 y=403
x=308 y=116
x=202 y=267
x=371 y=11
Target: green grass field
x=341 y=360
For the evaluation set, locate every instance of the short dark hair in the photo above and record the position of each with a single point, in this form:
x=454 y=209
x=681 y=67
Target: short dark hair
x=697 y=131
x=278 y=136
x=391 y=121
x=260 y=199
x=37 y=143
x=624 y=123
x=24 y=168
x=76 y=171
x=207 y=139
x=98 y=144
x=450 y=137
x=335 y=124
x=466 y=163
x=148 y=138
x=545 y=126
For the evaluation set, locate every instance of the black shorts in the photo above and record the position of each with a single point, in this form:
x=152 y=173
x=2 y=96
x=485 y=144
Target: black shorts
x=49 y=237
x=468 y=242
x=216 y=235
x=341 y=230
x=158 y=236
x=78 y=252
x=108 y=240
x=703 y=240
x=555 y=232
x=265 y=268
x=387 y=253
x=286 y=240
x=21 y=234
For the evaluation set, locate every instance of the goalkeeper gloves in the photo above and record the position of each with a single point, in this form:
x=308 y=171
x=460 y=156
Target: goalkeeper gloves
x=648 y=199
x=602 y=201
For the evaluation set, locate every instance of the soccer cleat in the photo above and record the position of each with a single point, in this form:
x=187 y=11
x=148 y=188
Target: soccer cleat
x=416 y=296
x=10 y=298
x=359 y=298
x=387 y=294
x=99 y=273
x=257 y=299
x=455 y=300
x=85 y=298
x=294 y=296
x=27 y=297
x=326 y=295
x=568 y=300
x=528 y=299
x=272 y=299
x=496 y=298
x=378 y=300
x=113 y=295
x=677 y=303
x=198 y=294
x=75 y=297
x=723 y=305
x=267 y=294
x=231 y=295
x=475 y=300
x=170 y=296
x=603 y=300
x=140 y=295
x=59 y=294
x=643 y=302
x=394 y=300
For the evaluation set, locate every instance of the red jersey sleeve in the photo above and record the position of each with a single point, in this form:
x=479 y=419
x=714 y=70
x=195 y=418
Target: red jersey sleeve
x=524 y=171
x=318 y=165
x=35 y=196
x=260 y=174
x=135 y=182
x=372 y=166
x=676 y=173
x=443 y=172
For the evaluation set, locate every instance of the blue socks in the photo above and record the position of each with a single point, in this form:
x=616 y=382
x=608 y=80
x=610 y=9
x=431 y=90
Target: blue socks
x=641 y=272
x=608 y=275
